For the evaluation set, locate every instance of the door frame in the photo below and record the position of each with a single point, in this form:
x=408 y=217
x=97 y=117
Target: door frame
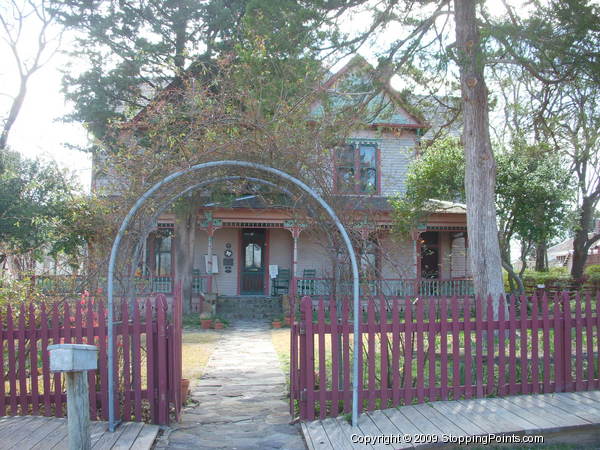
x=241 y=261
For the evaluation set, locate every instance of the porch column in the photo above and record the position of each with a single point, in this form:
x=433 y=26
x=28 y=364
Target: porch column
x=416 y=235
x=211 y=232
x=295 y=229
x=210 y=225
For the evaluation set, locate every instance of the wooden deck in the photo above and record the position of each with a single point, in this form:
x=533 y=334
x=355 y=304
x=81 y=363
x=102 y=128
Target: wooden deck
x=36 y=432
x=553 y=415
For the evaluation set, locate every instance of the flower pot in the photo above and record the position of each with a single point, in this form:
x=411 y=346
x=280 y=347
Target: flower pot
x=219 y=325
x=288 y=321
x=276 y=324
x=205 y=323
x=185 y=389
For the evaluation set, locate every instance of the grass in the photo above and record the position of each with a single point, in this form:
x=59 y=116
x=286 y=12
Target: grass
x=197 y=346
x=281 y=342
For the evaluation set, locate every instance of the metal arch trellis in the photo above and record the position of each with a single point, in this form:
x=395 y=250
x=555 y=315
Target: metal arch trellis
x=165 y=204
x=112 y=423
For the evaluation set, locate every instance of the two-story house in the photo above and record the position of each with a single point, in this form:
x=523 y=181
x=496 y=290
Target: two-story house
x=256 y=249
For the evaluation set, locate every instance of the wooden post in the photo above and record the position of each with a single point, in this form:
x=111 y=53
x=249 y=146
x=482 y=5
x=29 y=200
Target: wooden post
x=78 y=411
x=74 y=360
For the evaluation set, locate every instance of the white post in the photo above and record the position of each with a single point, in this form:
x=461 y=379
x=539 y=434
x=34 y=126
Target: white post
x=75 y=360
x=210 y=262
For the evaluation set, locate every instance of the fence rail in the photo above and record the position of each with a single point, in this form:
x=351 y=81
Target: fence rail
x=441 y=349
x=147 y=349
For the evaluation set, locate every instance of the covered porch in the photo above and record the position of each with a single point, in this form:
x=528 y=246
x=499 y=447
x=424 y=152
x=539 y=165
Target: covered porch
x=262 y=254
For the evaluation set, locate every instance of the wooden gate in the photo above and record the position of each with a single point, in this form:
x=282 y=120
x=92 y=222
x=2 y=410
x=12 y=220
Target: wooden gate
x=147 y=349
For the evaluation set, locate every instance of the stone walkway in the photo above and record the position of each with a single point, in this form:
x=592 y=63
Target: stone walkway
x=242 y=399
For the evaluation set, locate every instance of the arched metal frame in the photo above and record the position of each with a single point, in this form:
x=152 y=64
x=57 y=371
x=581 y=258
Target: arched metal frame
x=164 y=205
x=112 y=423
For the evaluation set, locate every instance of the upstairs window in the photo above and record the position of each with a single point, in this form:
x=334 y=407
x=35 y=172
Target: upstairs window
x=356 y=168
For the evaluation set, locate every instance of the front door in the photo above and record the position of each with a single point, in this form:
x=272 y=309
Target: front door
x=253 y=261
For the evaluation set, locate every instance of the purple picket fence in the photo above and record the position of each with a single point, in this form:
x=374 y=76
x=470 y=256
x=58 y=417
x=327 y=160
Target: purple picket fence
x=147 y=349
x=428 y=349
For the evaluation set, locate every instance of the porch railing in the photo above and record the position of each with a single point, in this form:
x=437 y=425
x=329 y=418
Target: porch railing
x=387 y=286
x=143 y=285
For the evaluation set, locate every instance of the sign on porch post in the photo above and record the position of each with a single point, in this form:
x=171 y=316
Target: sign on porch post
x=74 y=360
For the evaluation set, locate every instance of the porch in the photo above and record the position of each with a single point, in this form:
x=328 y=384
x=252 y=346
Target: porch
x=276 y=256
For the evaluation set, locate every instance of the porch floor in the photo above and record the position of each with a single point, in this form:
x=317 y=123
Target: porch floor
x=37 y=432
x=562 y=417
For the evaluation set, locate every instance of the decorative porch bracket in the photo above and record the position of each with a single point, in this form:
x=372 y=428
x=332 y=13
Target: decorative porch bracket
x=112 y=423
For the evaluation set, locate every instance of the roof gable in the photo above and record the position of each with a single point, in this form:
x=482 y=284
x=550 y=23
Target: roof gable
x=359 y=83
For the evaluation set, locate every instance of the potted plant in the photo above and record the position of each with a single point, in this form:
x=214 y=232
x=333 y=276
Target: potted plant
x=288 y=321
x=219 y=323
x=185 y=389
x=205 y=322
x=276 y=322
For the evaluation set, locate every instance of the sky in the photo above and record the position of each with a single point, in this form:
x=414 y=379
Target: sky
x=39 y=132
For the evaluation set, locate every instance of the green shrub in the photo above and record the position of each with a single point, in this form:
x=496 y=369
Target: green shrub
x=593 y=272
x=555 y=273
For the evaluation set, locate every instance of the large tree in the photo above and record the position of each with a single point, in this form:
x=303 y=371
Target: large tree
x=137 y=51
x=20 y=20
x=557 y=46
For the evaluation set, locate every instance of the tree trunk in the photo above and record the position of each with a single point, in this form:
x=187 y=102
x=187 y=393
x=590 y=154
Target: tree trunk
x=185 y=237
x=15 y=109
x=580 y=243
x=480 y=166
x=541 y=260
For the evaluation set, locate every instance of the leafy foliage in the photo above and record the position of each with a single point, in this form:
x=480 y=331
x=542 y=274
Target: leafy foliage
x=533 y=189
x=593 y=272
x=40 y=211
x=134 y=49
x=437 y=174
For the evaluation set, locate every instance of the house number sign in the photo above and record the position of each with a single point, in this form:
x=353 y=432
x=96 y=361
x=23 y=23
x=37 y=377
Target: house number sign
x=227 y=258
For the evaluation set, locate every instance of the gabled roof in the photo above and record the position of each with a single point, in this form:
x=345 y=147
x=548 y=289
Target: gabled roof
x=388 y=108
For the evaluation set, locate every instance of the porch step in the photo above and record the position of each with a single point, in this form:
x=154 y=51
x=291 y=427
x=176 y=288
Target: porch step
x=249 y=307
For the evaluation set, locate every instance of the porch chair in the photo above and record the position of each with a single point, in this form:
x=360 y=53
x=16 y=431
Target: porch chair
x=308 y=283
x=281 y=282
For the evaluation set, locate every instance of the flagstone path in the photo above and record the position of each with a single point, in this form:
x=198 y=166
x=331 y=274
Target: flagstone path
x=241 y=398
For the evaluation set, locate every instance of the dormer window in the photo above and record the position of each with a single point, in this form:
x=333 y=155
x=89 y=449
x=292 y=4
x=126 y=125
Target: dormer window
x=356 y=168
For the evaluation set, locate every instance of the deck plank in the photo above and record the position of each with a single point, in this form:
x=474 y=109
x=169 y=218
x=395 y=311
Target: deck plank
x=368 y=427
x=442 y=422
x=531 y=415
x=41 y=433
x=349 y=431
x=586 y=412
x=319 y=438
x=12 y=424
x=518 y=422
x=53 y=438
x=108 y=439
x=146 y=437
x=419 y=420
x=388 y=428
x=128 y=436
x=501 y=423
x=20 y=432
x=401 y=422
x=454 y=412
x=335 y=434
x=535 y=402
x=36 y=436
